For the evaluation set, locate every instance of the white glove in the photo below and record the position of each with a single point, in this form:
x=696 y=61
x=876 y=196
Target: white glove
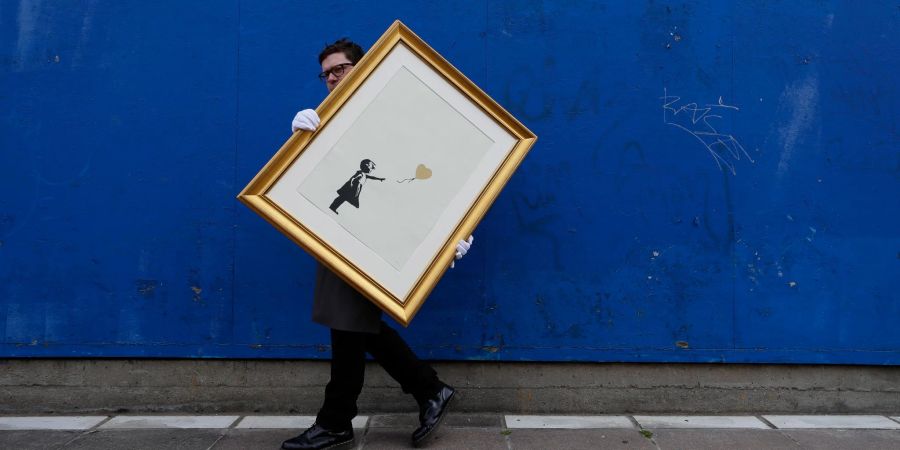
x=461 y=249
x=306 y=120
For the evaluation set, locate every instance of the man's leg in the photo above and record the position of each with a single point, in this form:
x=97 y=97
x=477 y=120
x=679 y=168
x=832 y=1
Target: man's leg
x=414 y=375
x=348 y=366
x=333 y=428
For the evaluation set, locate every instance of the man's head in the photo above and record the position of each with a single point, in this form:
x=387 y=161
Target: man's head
x=337 y=60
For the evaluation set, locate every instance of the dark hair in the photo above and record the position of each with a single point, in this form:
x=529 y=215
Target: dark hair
x=362 y=164
x=350 y=49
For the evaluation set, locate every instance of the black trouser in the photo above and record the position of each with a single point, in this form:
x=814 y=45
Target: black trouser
x=348 y=365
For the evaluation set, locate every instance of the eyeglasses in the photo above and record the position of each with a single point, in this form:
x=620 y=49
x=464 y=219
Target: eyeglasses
x=338 y=71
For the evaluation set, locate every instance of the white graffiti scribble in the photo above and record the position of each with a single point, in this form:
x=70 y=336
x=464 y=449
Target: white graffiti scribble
x=695 y=119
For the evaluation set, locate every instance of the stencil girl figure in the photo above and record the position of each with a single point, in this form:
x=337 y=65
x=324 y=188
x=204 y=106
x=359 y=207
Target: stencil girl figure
x=350 y=191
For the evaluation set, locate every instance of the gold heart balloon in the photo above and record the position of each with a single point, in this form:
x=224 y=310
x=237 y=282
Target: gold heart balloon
x=422 y=172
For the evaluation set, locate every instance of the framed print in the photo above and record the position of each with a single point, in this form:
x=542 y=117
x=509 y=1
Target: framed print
x=408 y=157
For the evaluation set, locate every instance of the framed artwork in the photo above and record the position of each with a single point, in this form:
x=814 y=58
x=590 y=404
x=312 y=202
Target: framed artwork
x=408 y=157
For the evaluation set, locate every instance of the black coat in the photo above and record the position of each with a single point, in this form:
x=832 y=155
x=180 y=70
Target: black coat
x=337 y=305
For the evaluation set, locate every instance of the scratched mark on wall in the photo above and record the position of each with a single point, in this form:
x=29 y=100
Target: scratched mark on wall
x=725 y=149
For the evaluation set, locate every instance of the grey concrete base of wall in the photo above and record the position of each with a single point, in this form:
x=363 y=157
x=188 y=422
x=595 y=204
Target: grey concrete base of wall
x=69 y=386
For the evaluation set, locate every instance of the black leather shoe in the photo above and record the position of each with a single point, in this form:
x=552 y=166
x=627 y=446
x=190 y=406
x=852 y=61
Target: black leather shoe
x=431 y=414
x=318 y=438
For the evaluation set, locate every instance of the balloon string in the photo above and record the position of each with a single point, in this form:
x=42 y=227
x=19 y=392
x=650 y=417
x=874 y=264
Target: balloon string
x=406 y=180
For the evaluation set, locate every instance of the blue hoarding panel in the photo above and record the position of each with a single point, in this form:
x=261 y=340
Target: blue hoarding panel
x=713 y=181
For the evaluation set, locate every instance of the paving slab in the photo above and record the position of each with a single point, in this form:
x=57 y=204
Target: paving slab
x=446 y=438
x=170 y=422
x=654 y=422
x=570 y=422
x=138 y=439
x=846 y=439
x=834 y=421
x=34 y=440
x=276 y=422
x=290 y=422
x=473 y=421
x=543 y=439
x=50 y=422
x=411 y=421
x=717 y=439
x=263 y=439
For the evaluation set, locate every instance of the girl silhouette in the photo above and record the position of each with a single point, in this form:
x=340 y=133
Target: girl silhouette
x=350 y=191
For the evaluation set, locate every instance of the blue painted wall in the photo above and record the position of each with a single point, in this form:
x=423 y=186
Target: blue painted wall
x=714 y=181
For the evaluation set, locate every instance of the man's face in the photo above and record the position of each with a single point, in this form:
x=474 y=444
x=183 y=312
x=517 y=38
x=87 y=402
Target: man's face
x=331 y=62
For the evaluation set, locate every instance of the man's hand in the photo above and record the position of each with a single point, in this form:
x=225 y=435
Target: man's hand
x=306 y=120
x=462 y=247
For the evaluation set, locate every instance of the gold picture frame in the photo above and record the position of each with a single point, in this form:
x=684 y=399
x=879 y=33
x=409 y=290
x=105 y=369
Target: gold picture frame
x=401 y=93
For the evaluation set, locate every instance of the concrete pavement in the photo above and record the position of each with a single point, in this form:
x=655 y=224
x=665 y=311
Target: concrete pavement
x=461 y=431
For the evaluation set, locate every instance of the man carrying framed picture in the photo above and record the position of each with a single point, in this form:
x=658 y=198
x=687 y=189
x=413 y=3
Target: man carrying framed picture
x=356 y=324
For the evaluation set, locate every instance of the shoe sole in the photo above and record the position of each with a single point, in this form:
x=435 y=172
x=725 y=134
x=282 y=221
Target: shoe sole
x=347 y=444
x=425 y=439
